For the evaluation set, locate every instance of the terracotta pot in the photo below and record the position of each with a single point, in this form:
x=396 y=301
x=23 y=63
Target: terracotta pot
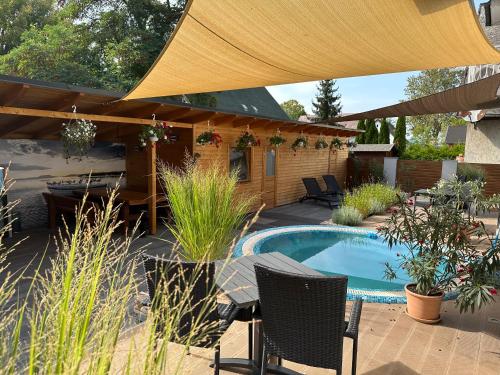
x=424 y=309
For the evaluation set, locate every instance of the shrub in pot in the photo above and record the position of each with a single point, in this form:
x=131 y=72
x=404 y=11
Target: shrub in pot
x=443 y=254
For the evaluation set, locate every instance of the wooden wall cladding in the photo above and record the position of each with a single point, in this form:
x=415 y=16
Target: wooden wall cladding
x=492 y=177
x=418 y=174
x=291 y=166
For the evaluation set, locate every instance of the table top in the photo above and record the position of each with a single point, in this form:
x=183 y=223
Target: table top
x=237 y=279
x=131 y=197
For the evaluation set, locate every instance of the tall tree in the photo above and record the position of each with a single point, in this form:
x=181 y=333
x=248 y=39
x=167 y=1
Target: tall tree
x=103 y=43
x=327 y=102
x=400 y=135
x=360 y=138
x=293 y=109
x=371 y=136
x=430 y=128
x=383 y=136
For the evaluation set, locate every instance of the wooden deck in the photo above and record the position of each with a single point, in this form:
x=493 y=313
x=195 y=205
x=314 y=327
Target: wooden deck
x=390 y=342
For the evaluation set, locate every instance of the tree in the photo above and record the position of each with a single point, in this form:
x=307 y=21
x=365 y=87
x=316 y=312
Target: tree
x=99 y=43
x=430 y=128
x=327 y=102
x=293 y=109
x=360 y=138
x=371 y=135
x=383 y=136
x=400 y=135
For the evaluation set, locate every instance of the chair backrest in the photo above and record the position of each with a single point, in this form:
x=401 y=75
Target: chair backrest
x=331 y=184
x=303 y=316
x=188 y=284
x=312 y=186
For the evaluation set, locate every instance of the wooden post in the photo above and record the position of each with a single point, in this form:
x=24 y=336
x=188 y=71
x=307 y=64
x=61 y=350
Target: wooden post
x=151 y=160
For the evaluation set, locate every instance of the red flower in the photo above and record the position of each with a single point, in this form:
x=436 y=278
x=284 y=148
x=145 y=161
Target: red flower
x=405 y=238
x=460 y=269
x=470 y=269
x=421 y=242
x=493 y=291
x=410 y=202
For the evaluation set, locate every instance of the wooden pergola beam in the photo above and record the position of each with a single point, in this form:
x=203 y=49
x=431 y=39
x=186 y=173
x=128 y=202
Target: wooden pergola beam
x=176 y=114
x=70 y=115
x=199 y=117
x=223 y=119
x=242 y=122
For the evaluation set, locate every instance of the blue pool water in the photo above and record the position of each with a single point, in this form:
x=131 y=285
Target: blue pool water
x=361 y=256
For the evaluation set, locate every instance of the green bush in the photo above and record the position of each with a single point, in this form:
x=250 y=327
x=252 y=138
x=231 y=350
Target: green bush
x=430 y=152
x=470 y=172
x=346 y=215
x=369 y=199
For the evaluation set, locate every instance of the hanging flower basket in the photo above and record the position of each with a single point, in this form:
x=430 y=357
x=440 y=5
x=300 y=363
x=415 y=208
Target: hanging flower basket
x=336 y=144
x=245 y=140
x=153 y=133
x=277 y=140
x=321 y=144
x=78 y=137
x=351 y=144
x=300 y=142
x=209 y=137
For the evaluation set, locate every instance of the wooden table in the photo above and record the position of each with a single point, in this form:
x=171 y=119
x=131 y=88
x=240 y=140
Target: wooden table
x=127 y=198
x=237 y=280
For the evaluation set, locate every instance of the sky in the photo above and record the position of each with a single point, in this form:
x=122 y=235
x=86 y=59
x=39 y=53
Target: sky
x=359 y=94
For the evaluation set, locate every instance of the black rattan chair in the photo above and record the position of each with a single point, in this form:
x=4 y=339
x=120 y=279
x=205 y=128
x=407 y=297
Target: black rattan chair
x=303 y=319
x=313 y=191
x=200 y=280
x=332 y=186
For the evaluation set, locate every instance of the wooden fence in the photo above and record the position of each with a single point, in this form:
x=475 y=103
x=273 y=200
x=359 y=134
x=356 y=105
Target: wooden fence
x=414 y=174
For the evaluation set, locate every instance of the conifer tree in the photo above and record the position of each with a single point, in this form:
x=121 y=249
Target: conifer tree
x=360 y=138
x=371 y=135
x=383 y=136
x=327 y=102
x=400 y=135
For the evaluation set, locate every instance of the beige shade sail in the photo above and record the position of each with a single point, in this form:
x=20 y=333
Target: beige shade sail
x=232 y=44
x=482 y=94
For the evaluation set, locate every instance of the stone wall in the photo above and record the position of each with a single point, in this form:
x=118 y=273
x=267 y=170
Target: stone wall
x=483 y=143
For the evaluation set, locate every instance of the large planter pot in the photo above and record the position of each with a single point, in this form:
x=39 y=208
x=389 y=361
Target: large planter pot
x=425 y=309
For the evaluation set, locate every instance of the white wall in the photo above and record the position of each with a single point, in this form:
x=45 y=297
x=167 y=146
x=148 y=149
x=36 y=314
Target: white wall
x=483 y=143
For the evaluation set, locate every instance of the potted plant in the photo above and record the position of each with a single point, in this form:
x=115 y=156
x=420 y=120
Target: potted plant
x=246 y=139
x=321 y=143
x=336 y=144
x=78 y=137
x=300 y=142
x=442 y=255
x=153 y=133
x=209 y=137
x=277 y=139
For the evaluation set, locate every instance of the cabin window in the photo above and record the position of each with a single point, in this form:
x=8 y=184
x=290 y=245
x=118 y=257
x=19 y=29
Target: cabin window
x=240 y=159
x=270 y=163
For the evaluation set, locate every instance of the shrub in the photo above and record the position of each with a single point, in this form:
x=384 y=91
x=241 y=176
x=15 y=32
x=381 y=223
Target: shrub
x=205 y=209
x=470 y=172
x=372 y=198
x=346 y=215
x=431 y=152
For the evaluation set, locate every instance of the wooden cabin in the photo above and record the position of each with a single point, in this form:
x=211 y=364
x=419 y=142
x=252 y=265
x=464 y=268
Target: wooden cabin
x=32 y=109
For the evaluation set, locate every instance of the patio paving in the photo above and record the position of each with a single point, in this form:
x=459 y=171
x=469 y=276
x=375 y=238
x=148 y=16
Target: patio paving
x=390 y=342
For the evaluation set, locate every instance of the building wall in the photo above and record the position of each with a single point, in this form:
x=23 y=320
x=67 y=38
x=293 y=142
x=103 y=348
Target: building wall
x=482 y=144
x=291 y=166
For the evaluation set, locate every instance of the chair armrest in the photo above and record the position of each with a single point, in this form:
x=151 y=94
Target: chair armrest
x=353 y=323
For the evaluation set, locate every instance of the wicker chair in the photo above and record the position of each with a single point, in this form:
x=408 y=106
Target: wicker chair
x=303 y=319
x=200 y=279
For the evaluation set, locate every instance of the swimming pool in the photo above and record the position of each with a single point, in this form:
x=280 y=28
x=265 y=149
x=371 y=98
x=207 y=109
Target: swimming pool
x=334 y=250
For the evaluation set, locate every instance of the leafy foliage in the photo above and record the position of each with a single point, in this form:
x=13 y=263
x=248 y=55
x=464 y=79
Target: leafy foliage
x=209 y=137
x=442 y=244
x=277 y=139
x=104 y=43
x=327 y=102
x=347 y=215
x=300 y=142
x=431 y=152
x=369 y=199
x=321 y=143
x=383 y=136
x=336 y=144
x=78 y=137
x=360 y=138
x=429 y=128
x=371 y=135
x=293 y=109
x=246 y=139
x=470 y=172
x=400 y=135
x=206 y=211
